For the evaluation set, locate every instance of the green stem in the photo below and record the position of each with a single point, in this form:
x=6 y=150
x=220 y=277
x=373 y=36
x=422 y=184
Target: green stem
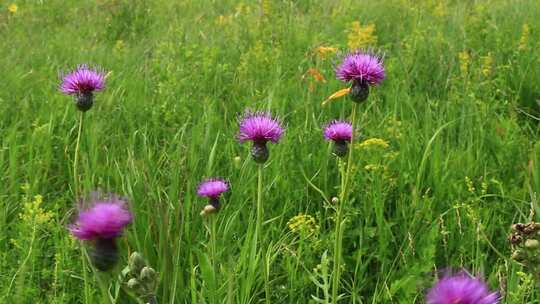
x=76 y=191
x=343 y=195
x=258 y=226
x=259 y=203
x=76 y=157
x=213 y=220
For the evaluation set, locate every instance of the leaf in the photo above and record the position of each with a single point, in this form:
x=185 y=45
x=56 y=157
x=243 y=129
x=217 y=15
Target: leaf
x=337 y=94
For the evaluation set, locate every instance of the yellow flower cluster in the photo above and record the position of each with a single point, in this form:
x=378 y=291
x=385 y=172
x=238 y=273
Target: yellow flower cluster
x=361 y=36
x=464 y=62
x=525 y=30
x=487 y=65
x=324 y=50
x=303 y=224
x=34 y=213
x=374 y=142
x=470 y=185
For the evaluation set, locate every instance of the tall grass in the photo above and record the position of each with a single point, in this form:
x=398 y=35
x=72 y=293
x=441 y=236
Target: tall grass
x=459 y=111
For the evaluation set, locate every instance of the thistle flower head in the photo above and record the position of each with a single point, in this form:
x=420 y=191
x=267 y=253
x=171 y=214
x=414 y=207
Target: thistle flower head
x=338 y=131
x=83 y=80
x=259 y=127
x=360 y=67
x=212 y=188
x=105 y=219
x=463 y=289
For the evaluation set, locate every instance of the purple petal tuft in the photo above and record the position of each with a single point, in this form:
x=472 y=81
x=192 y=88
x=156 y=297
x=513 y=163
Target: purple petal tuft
x=83 y=80
x=212 y=188
x=361 y=67
x=260 y=126
x=461 y=288
x=338 y=131
x=105 y=219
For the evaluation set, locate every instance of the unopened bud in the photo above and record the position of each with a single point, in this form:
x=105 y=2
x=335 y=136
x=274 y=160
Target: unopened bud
x=519 y=256
x=259 y=152
x=335 y=200
x=104 y=255
x=148 y=274
x=532 y=244
x=136 y=262
x=237 y=162
x=133 y=284
x=208 y=209
x=84 y=101
x=359 y=91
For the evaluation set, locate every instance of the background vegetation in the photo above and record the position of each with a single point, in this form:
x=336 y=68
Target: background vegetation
x=457 y=160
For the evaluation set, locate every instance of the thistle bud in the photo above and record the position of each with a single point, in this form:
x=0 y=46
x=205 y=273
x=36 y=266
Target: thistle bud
x=341 y=148
x=208 y=209
x=148 y=274
x=104 y=255
x=259 y=152
x=84 y=101
x=133 y=284
x=519 y=256
x=136 y=262
x=532 y=244
x=359 y=91
x=237 y=162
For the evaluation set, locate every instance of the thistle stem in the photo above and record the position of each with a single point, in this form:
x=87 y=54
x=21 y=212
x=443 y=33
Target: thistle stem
x=76 y=157
x=76 y=191
x=345 y=172
x=259 y=202
x=213 y=229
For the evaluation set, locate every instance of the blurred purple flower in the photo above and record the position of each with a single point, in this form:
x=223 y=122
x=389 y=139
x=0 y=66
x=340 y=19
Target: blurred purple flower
x=463 y=289
x=102 y=223
x=105 y=219
x=212 y=188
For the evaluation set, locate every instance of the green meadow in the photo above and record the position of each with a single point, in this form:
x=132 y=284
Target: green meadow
x=446 y=155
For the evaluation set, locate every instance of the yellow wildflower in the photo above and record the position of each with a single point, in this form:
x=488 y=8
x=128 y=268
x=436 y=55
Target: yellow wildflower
x=525 y=30
x=487 y=63
x=361 y=36
x=439 y=10
x=33 y=213
x=374 y=142
x=12 y=8
x=464 y=62
x=303 y=224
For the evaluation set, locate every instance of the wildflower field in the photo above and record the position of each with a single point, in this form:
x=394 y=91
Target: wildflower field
x=270 y=151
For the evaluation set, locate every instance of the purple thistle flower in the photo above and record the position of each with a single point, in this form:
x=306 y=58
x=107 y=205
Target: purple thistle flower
x=363 y=70
x=82 y=83
x=102 y=223
x=341 y=133
x=212 y=188
x=338 y=131
x=463 y=289
x=259 y=127
x=361 y=67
